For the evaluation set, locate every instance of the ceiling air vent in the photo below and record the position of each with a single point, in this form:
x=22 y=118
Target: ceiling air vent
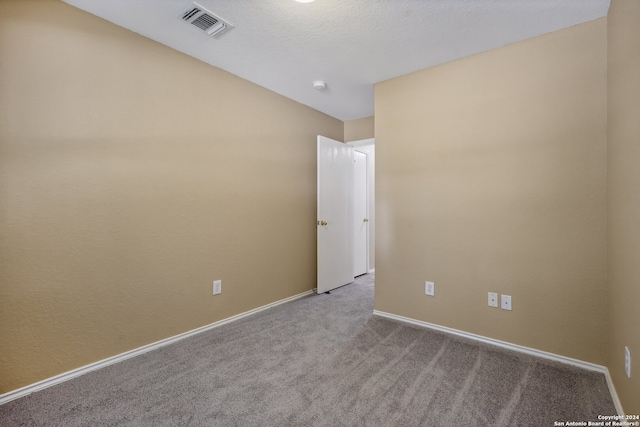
x=208 y=22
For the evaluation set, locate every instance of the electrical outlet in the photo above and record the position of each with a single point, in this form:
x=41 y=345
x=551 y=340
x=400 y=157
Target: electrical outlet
x=506 y=302
x=217 y=287
x=493 y=299
x=627 y=361
x=429 y=288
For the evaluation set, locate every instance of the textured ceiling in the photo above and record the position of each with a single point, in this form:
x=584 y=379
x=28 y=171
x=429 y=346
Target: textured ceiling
x=351 y=44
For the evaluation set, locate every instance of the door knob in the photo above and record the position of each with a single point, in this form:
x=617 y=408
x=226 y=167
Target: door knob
x=366 y=220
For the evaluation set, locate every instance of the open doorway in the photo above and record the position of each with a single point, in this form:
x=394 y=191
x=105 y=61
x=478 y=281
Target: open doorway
x=335 y=206
x=364 y=206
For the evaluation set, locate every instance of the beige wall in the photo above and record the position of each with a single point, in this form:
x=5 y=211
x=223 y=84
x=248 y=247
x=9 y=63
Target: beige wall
x=491 y=177
x=624 y=198
x=131 y=176
x=355 y=130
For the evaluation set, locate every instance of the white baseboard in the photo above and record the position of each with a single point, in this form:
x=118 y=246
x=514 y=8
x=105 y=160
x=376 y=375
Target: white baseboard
x=614 y=393
x=515 y=347
x=373 y=270
x=66 y=376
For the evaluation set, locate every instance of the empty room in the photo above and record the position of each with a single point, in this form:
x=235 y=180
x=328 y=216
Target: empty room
x=320 y=212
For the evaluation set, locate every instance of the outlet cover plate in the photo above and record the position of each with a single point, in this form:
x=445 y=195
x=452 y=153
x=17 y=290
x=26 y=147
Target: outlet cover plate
x=430 y=288
x=506 y=302
x=493 y=299
x=217 y=287
x=627 y=362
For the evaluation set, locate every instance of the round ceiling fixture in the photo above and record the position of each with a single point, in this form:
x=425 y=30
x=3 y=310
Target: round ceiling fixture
x=319 y=85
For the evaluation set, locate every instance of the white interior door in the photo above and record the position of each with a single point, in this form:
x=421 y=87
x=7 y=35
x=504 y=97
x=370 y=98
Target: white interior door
x=368 y=146
x=360 y=214
x=335 y=214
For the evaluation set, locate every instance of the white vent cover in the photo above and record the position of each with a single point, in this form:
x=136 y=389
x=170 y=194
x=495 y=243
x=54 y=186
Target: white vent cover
x=208 y=22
